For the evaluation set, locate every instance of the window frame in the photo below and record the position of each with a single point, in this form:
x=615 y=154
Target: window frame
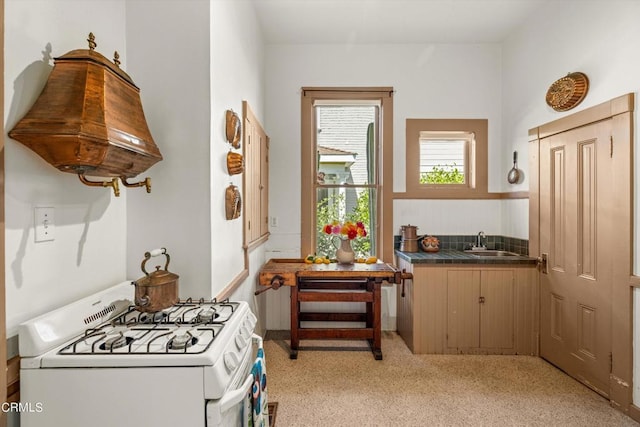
x=384 y=157
x=476 y=188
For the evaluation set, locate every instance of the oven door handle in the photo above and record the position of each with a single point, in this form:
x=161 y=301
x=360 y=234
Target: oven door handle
x=232 y=398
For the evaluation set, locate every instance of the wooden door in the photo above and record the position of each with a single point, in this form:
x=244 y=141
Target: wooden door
x=577 y=198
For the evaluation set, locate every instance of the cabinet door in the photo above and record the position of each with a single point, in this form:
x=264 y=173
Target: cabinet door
x=463 y=308
x=497 y=309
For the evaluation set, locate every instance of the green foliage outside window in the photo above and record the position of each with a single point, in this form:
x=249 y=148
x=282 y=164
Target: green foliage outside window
x=440 y=175
x=328 y=211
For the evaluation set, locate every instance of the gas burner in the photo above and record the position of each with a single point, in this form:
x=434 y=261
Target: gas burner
x=156 y=317
x=182 y=342
x=207 y=315
x=115 y=342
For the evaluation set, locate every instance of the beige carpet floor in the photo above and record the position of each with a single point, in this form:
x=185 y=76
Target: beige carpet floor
x=327 y=386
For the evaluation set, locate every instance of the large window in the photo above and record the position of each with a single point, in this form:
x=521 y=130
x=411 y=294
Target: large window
x=342 y=168
x=446 y=158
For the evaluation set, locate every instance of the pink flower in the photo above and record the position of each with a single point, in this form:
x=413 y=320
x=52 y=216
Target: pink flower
x=348 y=229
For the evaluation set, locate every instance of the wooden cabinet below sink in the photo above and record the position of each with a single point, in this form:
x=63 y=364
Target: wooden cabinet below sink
x=475 y=309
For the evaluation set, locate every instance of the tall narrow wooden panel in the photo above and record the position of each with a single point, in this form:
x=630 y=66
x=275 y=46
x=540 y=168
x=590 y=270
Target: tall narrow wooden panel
x=558 y=184
x=264 y=184
x=497 y=307
x=527 y=294
x=587 y=209
x=405 y=298
x=430 y=309
x=463 y=308
x=256 y=178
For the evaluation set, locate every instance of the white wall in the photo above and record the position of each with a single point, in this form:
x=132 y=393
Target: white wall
x=431 y=81
x=237 y=57
x=169 y=59
x=599 y=38
x=194 y=60
x=89 y=250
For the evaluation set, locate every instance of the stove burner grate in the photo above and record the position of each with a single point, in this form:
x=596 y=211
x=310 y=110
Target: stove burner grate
x=189 y=326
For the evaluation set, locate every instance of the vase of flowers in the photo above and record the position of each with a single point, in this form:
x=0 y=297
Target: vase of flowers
x=345 y=253
x=345 y=233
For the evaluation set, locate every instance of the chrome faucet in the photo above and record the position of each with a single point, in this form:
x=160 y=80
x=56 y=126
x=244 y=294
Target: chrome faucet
x=479 y=244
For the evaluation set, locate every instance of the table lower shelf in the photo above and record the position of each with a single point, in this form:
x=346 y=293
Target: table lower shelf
x=366 y=291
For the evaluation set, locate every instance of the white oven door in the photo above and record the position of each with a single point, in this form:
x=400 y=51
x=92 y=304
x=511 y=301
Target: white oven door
x=235 y=407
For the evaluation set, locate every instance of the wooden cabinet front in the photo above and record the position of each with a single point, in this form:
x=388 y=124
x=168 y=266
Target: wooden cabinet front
x=469 y=309
x=480 y=309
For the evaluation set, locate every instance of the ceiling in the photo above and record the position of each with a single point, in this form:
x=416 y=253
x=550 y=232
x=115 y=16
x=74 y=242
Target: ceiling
x=391 y=21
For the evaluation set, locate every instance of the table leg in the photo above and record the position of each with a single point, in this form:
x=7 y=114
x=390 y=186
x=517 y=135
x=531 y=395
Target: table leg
x=377 y=327
x=295 y=323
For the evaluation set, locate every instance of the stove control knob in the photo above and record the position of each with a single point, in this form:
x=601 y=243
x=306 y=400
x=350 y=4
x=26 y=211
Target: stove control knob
x=241 y=341
x=245 y=332
x=230 y=361
x=251 y=322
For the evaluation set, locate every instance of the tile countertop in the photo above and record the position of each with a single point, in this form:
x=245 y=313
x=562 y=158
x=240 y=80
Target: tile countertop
x=452 y=256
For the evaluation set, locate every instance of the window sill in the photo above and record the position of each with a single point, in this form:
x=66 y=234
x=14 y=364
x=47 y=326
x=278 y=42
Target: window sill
x=459 y=195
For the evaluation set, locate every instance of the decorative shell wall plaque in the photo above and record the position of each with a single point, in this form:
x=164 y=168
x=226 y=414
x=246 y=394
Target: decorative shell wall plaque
x=567 y=92
x=235 y=163
x=233 y=129
x=233 y=202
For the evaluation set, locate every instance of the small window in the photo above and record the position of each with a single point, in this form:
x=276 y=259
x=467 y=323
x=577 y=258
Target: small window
x=446 y=159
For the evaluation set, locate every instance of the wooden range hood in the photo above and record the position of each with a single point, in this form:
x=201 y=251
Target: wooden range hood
x=89 y=121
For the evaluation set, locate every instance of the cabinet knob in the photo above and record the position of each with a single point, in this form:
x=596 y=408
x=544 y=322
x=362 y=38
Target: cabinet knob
x=481 y=300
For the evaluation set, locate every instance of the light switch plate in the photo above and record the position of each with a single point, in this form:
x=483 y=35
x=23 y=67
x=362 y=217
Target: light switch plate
x=44 y=224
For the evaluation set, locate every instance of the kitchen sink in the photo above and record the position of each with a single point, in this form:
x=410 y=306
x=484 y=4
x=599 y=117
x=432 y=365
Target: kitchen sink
x=490 y=253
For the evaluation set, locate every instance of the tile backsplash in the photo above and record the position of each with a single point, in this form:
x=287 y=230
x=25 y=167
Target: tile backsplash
x=462 y=242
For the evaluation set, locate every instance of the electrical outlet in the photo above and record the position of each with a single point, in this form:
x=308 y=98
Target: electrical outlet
x=44 y=224
x=274 y=221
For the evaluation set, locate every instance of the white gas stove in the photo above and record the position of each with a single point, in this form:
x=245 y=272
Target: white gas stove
x=100 y=362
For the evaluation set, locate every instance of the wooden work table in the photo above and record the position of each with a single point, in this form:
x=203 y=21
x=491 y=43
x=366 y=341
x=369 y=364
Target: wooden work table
x=332 y=283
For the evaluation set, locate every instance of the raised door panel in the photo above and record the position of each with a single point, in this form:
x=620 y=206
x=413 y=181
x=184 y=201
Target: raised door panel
x=463 y=308
x=497 y=309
